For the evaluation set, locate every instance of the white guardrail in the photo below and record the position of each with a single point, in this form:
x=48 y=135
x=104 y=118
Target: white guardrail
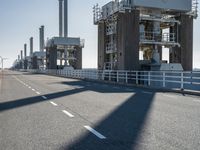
x=160 y=79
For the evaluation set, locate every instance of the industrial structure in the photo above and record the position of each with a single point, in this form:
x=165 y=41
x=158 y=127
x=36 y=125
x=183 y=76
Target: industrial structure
x=35 y=60
x=38 y=57
x=132 y=34
x=63 y=51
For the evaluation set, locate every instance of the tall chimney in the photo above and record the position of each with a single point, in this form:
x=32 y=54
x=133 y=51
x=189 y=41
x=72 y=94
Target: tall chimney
x=25 y=52
x=21 y=54
x=42 y=38
x=31 y=46
x=60 y=18
x=40 y=33
x=18 y=57
x=65 y=18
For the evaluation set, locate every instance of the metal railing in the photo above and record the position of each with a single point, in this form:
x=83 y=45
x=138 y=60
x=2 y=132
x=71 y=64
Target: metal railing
x=159 y=79
x=117 y=6
x=153 y=36
x=195 y=8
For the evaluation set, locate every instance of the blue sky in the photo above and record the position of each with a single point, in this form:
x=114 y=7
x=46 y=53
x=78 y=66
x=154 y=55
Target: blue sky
x=21 y=19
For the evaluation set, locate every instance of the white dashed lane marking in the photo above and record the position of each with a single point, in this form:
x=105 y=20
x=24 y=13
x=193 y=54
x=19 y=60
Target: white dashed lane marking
x=99 y=135
x=44 y=97
x=38 y=93
x=67 y=113
x=53 y=103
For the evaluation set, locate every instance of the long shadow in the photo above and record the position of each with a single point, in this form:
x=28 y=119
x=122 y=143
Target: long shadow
x=102 y=87
x=82 y=86
x=123 y=127
x=37 y=99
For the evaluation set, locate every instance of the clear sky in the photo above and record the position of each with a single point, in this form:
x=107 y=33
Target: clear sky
x=21 y=19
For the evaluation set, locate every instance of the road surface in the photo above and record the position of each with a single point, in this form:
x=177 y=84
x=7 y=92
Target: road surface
x=40 y=112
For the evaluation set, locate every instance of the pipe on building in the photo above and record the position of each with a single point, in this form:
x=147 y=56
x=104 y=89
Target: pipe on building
x=25 y=51
x=42 y=38
x=65 y=18
x=21 y=54
x=60 y=18
x=31 y=46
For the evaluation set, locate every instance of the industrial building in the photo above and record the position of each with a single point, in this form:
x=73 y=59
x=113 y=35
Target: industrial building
x=63 y=51
x=133 y=34
x=35 y=59
x=38 y=57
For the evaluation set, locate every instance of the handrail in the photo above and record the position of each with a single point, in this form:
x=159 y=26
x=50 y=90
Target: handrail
x=160 y=79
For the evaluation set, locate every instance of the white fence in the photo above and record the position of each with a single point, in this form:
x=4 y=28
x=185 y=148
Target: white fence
x=160 y=79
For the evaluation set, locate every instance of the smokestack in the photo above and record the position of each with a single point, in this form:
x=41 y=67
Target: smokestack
x=41 y=38
x=21 y=54
x=60 y=18
x=25 y=46
x=18 y=57
x=31 y=46
x=65 y=18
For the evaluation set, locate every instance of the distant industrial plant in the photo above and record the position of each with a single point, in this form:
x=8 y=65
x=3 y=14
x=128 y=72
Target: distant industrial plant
x=132 y=35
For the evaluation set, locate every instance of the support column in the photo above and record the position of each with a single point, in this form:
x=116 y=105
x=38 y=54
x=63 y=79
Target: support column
x=78 y=54
x=53 y=58
x=101 y=45
x=128 y=40
x=184 y=54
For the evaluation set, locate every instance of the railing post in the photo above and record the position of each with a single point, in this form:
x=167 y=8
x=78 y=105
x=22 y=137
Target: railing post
x=126 y=77
x=164 y=79
x=182 y=86
x=191 y=77
x=109 y=75
x=117 y=76
x=81 y=74
x=149 y=78
x=103 y=75
x=137 y=77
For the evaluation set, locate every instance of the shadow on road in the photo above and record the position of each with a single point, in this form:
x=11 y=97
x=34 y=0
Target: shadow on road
x=122 y=127
x=33 y=100
x=80 y=86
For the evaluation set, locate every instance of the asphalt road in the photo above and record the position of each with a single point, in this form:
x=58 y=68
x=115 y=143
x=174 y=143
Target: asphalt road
x=40 y=112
